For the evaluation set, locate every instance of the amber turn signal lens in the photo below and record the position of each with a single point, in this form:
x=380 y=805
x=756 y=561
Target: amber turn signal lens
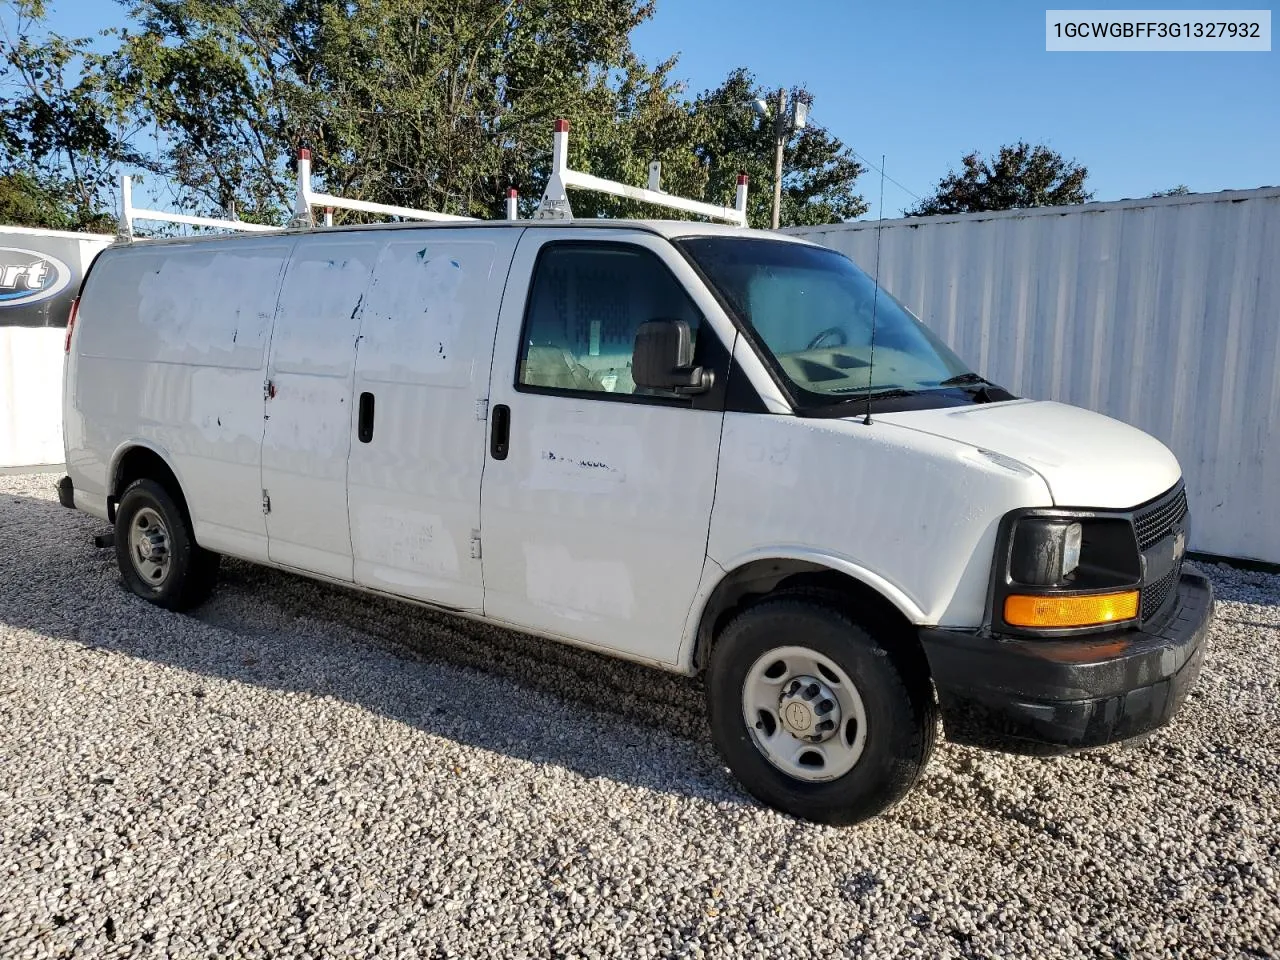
x=1057 y=612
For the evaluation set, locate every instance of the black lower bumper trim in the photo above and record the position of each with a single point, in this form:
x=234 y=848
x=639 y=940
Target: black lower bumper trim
x=1055 y=696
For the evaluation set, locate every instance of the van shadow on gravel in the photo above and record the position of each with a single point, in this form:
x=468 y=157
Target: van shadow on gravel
x=467 y=681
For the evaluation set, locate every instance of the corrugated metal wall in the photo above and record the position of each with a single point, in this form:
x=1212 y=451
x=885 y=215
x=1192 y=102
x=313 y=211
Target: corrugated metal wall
x=1164 y=313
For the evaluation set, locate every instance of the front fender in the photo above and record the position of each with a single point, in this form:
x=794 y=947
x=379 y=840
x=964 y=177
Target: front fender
x=716 y=573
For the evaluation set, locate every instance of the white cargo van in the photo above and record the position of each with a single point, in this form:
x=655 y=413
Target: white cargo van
x=666 y=441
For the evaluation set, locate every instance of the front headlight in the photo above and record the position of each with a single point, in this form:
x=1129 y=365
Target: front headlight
x=1062 y=571
x=1046 y=552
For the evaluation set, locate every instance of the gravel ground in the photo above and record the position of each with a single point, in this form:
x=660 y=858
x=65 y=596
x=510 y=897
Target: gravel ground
x=300 y=771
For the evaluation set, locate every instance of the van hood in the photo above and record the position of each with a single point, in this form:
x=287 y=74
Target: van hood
x=1087 y=459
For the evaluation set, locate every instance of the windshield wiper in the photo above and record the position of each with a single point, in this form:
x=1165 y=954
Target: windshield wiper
x=877 y=395
x=963 y=379
x=981 y=389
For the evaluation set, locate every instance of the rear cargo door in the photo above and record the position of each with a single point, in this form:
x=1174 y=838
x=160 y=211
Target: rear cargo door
x=308 y=429
x=422 y=372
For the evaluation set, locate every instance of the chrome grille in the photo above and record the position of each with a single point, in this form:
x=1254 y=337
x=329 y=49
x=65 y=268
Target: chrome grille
x=1155 y=522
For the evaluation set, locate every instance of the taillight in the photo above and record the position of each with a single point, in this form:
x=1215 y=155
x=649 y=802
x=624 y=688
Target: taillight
x=71 y=323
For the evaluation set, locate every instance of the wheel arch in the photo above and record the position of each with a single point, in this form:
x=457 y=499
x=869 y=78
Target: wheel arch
x=135 y=459
x=860 y=592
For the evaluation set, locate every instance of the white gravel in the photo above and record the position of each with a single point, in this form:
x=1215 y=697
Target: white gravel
x=282 y=776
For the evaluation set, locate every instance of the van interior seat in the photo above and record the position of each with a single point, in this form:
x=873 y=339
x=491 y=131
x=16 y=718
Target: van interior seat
x=548 y=365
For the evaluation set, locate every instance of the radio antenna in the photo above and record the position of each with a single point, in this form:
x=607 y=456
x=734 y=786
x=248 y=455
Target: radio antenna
x=875 y=297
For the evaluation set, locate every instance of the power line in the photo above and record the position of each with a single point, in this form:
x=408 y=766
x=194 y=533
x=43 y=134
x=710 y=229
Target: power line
x=886 y=176
x=880 y=171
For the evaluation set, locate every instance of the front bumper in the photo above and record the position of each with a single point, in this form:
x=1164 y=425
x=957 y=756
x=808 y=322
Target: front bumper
x=1055 y=696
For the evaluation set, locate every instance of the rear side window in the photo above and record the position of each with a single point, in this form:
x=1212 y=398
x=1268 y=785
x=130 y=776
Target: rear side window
x=586 y=303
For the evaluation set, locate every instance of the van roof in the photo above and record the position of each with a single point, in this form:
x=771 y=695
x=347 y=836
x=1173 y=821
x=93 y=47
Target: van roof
x=671 y=229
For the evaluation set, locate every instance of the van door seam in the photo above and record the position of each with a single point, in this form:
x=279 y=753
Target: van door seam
x=488 y=389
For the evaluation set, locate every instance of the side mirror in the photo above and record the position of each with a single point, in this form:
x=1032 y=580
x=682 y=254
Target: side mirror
x=663 y=358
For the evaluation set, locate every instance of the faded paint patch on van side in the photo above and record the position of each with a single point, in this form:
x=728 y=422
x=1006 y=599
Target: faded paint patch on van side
x=322 y=294
x=577 y=588
x=414 y=542
x=225 y=408
x=210 y=307
x=416 y=327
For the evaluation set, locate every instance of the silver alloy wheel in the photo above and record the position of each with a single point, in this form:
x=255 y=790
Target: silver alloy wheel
x=804 y=713
x=149 y=546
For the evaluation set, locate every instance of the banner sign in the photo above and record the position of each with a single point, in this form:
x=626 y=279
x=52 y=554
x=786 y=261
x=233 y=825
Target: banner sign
x=40 y=276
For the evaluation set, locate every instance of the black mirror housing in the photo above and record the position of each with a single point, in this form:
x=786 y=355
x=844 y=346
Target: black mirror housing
x=663 y=358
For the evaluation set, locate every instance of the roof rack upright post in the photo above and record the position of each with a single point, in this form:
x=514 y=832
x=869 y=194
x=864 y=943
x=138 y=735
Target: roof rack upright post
x=302 y=217
x=513 y=204
x=555 y=199
x=124 y=229
x=129 y=214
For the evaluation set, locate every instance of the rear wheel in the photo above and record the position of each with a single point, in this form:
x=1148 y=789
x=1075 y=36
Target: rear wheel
x=815 y=714
x=156 y=552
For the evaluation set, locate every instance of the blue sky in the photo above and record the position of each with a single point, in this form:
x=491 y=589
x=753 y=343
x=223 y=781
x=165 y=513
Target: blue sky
x=925 y=83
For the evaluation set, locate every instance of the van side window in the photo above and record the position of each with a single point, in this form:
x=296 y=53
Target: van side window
x=586 y=303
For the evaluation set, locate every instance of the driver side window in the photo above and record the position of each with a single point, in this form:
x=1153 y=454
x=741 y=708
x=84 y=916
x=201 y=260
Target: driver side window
x=586 y=303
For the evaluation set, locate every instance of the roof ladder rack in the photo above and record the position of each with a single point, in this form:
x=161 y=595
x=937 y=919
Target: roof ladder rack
x=129 y=213
x=554 y=204
x=308 y=198
x=555 y=201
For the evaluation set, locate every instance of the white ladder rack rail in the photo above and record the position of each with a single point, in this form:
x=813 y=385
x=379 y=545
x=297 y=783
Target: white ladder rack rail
x=555 y=200
x=129 y=213
x=308 y=198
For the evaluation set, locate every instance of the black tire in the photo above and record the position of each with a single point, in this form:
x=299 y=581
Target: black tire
x=192 y=571
x=901 y=716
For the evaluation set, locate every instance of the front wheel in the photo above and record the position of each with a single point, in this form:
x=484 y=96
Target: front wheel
x=157 y=554
x=814 y=714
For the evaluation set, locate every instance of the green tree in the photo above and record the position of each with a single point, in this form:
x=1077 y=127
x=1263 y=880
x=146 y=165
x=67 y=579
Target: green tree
x=51 y=203
x=1019 y=175
x=62 y=132
x=419 y=103
x=819 y=172
x=423 y=103
x=1181 y=190
x=435 y=104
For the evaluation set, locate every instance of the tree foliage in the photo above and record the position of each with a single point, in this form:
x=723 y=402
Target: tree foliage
x=421 y=103
x=62 y=130
x=819 y=171
x=1019 y=175
x=426 y=103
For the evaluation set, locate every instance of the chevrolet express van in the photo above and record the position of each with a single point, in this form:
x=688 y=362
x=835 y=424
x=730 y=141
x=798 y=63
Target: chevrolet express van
x=709 y=449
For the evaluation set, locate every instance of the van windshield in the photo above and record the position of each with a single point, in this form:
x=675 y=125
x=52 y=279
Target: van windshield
x=811 y=309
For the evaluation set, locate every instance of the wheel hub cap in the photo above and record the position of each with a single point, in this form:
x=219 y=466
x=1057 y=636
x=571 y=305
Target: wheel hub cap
x=149 y=546
x=804 y=713
x=809 y=710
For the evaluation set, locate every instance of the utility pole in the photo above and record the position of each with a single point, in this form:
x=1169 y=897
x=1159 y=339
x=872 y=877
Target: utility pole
x=781 y=131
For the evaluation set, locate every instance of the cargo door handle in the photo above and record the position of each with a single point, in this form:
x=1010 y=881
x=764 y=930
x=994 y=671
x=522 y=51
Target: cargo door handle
x=500 y=431
x=365 y=429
